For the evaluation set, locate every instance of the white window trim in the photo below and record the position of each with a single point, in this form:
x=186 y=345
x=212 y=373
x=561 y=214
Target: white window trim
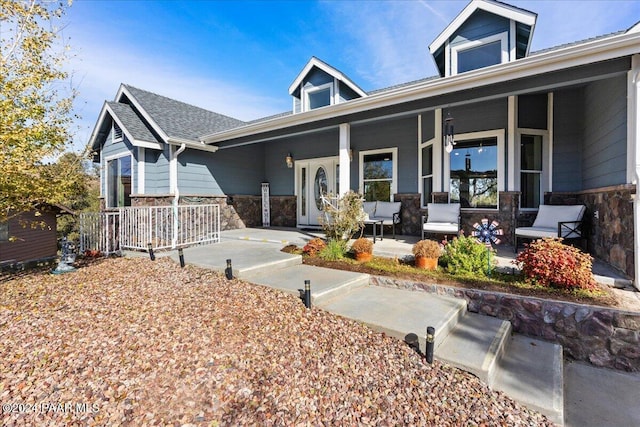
x=501 y=37
x=500 y=139
x=545 y=177
x=106 y=175
x=394 y=168
x=435 y=153
x=314 y=89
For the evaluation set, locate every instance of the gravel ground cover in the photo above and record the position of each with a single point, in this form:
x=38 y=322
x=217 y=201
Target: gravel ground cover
x=135 y=342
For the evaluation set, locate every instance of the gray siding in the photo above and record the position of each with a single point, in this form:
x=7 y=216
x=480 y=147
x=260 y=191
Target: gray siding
x=605 y=133
x=401 y=133
x=428 y=125
x=317 y=77
x=479 y=116
x=156 y=171
x=567 y=139
x=479 y=25
x=346 y=93
x=308 y=146
x=230 y=171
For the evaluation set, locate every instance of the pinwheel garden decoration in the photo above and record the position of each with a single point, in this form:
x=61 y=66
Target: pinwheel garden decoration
x=487 y=232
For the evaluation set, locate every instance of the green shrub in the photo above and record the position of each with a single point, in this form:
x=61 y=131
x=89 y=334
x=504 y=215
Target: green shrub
x=335 y=250
x=547 y=262
x=344 y=220
x=313 y=247
x=466 y=256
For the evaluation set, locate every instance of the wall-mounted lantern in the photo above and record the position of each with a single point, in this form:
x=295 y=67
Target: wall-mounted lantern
x=448 y=133
x=289 y=160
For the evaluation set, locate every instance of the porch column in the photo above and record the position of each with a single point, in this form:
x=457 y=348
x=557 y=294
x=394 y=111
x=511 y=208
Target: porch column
x=345 y=165
x=513 y=148
x=633 y=156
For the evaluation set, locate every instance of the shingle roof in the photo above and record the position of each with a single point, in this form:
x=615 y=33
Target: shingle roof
x=562 y=46
x=180 y=120
x=131 y=122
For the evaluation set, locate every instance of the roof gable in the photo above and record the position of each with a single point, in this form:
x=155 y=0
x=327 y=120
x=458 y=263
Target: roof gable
x=333 y=72
x=497 y=8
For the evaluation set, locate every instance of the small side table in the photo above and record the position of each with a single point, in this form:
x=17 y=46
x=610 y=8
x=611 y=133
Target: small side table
x=374 y=223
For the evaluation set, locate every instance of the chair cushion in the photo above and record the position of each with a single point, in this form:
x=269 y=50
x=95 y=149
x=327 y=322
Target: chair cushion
x=536 y=232
x=369 y=208
x=440 y=227
x=443 y=212
x=387 y=209
x=549 y=215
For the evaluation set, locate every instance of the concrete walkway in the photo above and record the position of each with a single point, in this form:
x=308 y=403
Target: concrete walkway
x=530 y=371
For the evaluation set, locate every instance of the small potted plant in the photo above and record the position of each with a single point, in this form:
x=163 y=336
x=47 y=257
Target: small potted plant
x=363 y=249
x=427 y=253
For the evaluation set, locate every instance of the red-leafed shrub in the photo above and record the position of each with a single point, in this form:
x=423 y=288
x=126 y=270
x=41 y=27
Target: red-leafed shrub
x=548 y=262
x=314 y=246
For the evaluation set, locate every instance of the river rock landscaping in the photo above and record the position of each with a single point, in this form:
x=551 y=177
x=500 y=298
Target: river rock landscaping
x=130 y=341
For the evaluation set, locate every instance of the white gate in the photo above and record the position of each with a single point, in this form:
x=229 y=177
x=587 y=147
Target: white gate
x=163 y=227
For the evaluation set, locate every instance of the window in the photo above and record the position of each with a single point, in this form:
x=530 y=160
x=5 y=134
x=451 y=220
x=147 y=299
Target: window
x=474 y=173
x=319 y=97
x=116 y=133
x=479 y=53
x=427 y=174
x=119 y=182
x=4 y=231
x=378 y=174
x=530 y=171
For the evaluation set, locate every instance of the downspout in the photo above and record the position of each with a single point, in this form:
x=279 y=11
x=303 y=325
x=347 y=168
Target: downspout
x=176 y=195
x=635 y=137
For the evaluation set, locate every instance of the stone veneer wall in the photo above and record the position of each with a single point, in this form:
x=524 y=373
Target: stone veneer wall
x=610 y=236
x=238 y=211
x=602 y=336
x=506 y=214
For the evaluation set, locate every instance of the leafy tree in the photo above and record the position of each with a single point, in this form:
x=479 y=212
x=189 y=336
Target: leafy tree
x=35 y=105
x=83 y=190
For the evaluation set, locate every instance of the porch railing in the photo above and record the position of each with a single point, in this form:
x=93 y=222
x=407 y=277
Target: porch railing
x=163 y=226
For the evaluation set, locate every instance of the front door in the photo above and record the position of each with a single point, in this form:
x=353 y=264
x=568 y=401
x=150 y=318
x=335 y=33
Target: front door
x=314 y=178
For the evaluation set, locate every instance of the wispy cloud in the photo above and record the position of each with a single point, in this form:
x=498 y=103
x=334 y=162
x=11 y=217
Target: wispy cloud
x=99 y=69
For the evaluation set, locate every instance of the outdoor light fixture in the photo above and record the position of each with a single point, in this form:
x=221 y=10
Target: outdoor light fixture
x=350 y=155
x=307 y=293
x=448 y=133
x=289 y=160
x=150 y=250
x=181 y=256
x=228 y=272
x=431 y=333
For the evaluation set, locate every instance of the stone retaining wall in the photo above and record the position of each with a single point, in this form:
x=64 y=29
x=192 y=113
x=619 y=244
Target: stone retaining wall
x=602 y=336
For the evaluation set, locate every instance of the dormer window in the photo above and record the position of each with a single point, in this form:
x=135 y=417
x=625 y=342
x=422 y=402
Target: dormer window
x=320 y=85
x=485 y=33
x=479 y=53
x=320 y=96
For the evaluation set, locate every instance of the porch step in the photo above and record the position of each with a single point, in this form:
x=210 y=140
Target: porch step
x=326 y=284
x=246 y=257
x=399 y=313
x=476 y=345
x=531 y=372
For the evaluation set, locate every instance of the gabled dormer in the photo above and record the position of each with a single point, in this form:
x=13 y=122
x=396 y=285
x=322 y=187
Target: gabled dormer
x=485 y=33
x=320 y=85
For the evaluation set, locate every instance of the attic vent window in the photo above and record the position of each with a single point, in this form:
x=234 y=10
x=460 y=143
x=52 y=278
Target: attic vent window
x=117 y=133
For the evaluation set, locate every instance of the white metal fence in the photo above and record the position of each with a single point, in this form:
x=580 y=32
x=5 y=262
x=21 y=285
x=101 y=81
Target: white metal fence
x=163 y=227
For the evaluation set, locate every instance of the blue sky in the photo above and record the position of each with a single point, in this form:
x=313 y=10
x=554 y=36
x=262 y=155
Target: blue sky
x=239 y=57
